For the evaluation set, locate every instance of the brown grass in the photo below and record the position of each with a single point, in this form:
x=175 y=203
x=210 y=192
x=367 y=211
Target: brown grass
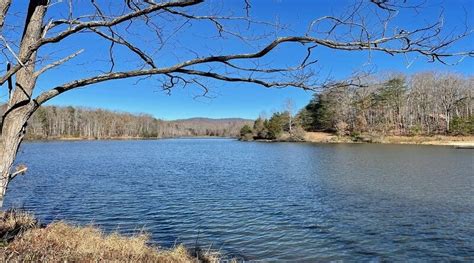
x=432 y=140
x=319 y=137
x=323 y=137
x=14 y=223
x=62 y=242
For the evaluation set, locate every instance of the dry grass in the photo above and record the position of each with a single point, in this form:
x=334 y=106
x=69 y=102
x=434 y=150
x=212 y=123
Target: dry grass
x=14 y=223
x=432 y=140
x=61 y=242
x=323 y=137
x=319 y=137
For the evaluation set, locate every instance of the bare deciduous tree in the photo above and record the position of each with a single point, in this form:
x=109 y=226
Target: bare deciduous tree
x=51 y=122
x=289 y=107
x=50 y=24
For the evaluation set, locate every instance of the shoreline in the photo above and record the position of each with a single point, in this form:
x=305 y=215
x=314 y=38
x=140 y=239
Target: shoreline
x=122 y=138
x=436 y=140
x=462 y=142
x=311 y=137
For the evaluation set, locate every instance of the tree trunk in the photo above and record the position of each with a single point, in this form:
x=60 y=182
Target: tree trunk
x=20 y=105
x=448 y=120
x=290 y=124
x=13 y=131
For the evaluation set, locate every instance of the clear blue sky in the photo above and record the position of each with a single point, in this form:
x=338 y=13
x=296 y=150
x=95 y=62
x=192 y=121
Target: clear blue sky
x=237 y=99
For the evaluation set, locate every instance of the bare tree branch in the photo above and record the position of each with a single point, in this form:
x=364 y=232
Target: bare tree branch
x=120 y=40
x=375 y=45
x=11 y=51
x=94 y=24
x=58 y=63
x=404 y=42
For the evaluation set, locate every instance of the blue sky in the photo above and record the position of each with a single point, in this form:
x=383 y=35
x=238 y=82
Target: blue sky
x=235 y=99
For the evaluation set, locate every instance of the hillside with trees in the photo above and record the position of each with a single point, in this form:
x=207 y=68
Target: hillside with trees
x=51 y=122
x=428 y=103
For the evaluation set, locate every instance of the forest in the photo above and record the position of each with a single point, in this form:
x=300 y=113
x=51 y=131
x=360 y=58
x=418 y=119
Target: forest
x=52 y=122
x=427 y=103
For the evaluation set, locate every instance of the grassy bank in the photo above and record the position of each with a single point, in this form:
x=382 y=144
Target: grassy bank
x=23 y=239
x=323 y=137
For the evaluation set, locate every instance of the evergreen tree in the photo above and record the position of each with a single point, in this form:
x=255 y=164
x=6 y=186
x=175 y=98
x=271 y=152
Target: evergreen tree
x=274 y=126
x=246 y=133
x=259 y=129
x=321 y=114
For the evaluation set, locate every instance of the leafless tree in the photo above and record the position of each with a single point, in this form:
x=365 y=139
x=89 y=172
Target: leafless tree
x=143 y=28
x=289 y=107
x=52 y=122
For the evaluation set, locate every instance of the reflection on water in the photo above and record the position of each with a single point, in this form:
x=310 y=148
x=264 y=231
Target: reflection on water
x=270 y=201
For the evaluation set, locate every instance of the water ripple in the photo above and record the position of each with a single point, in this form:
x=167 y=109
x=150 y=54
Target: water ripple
x=258 y=201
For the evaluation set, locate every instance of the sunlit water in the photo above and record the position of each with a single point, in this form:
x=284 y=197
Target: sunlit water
x=261 y=201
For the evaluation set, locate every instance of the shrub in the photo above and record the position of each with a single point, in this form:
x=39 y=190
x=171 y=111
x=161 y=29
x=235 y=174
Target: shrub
x=13 y=223
x=462 y=126
x=415 y=130
x=246 y=133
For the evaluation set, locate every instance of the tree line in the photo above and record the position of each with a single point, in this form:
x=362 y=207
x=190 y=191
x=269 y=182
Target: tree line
x=426 y=103
x=52 y=122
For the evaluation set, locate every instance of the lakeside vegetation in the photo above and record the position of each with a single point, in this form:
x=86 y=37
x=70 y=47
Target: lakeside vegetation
x=424 y=104
x=23 y=239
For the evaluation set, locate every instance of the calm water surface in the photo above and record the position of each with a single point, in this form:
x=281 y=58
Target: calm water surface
x=261 y=201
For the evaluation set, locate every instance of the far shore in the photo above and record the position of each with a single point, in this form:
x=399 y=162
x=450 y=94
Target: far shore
x=311 y=137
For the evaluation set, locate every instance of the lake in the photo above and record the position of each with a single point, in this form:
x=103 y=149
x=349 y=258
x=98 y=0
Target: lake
x=261 y=201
